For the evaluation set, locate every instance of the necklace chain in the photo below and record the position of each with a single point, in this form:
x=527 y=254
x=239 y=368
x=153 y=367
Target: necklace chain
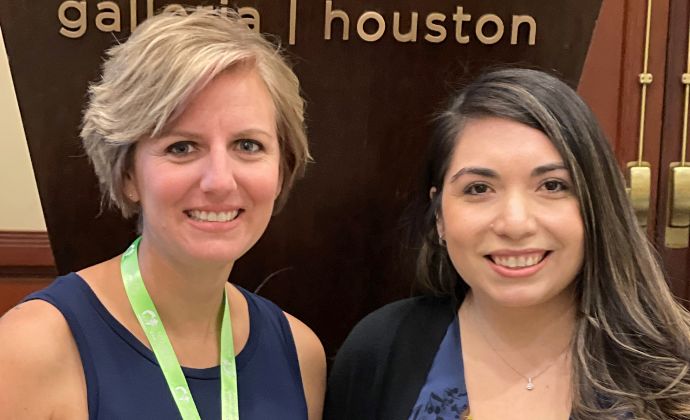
x=529 y=379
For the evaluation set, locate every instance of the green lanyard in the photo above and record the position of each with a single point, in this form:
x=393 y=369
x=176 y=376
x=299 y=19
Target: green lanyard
x=155 y=332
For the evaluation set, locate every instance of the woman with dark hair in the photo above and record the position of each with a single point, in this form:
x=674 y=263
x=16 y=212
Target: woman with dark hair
x=544 y=300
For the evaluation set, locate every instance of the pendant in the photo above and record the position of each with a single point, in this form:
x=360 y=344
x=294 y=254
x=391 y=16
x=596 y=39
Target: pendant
x=530 y=385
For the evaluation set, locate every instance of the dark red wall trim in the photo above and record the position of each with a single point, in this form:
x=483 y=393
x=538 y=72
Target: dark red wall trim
x=25 y=254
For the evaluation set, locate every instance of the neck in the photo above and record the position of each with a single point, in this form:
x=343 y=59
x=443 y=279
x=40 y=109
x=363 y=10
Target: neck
x=548 y=326
x=188 y=295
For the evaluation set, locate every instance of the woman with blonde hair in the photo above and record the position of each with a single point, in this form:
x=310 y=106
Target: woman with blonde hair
x=542 y=297
x=197 y=128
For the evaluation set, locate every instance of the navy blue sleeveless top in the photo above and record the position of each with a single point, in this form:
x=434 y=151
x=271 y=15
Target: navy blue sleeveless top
x=124 y=381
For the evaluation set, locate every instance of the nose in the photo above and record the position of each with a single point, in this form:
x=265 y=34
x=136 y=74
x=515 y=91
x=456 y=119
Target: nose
x=218 y=176
x=515 y=218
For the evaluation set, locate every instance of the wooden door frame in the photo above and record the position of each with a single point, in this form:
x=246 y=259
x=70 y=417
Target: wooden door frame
x=610 y=82
x=676 y=261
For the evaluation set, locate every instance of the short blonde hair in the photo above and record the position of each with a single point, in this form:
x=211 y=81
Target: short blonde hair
x=148 y=80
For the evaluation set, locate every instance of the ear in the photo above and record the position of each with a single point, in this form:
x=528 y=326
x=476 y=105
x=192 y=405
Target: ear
x=440 y=227
x=130 y=188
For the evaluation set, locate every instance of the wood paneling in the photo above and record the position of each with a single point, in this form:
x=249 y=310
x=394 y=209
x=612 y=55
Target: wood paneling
x=611 y=87
x=676 y=261
x=26 y=265
x=30 y=249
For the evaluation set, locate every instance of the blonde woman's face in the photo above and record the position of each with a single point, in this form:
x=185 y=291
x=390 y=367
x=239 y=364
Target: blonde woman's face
x=509 y=216
x=207 y=185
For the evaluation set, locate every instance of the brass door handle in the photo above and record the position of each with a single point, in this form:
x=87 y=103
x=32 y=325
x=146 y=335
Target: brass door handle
x=640 y=179
x=639 y=172
x=678 y=207
x=677 y=232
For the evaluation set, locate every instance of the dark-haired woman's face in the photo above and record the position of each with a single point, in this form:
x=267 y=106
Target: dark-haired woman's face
x=509 y=216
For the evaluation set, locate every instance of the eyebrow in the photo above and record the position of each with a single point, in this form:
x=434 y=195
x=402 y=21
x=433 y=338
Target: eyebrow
x=253 y=132
x=490 y=173
x=484 y=172
x=541 y=170
x=250 y=132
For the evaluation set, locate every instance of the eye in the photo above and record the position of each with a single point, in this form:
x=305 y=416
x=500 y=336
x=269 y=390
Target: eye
x=249 y=146
x=554 y=185
x=180 y=148
x=476 y=189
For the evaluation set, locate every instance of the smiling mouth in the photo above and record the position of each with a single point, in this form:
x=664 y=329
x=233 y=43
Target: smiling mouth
x=212 y=216
x=518 y=261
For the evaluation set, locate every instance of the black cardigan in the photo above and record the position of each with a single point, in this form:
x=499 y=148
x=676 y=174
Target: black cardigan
x=384 y=362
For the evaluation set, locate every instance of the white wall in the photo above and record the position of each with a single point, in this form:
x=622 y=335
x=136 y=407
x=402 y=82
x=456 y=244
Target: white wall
x=20 y=207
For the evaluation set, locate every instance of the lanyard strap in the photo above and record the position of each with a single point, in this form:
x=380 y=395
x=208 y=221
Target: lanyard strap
x=152 y=325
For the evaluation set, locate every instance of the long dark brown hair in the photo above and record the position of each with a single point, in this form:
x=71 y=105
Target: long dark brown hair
x=631 y=349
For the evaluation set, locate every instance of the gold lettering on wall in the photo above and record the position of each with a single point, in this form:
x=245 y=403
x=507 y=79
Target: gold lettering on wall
x=519 y=20
x=371 y=25
x=479 y=29
x=411 y=35
x=459 y=17
x=379 y=31
x=433 y=26
x=251 y=17
x=133 y=12
x=174 y=8
x=78 y=25
x=293 y=21
x=335 y=14
x=108 y=20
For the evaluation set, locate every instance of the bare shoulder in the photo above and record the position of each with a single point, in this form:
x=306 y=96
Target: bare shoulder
x=39 y=362
x=312 y=363
x=34 y=330
x=305 y=339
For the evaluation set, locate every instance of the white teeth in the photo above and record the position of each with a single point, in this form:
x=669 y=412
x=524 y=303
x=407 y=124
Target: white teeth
x=210 y=216
x=518 y=262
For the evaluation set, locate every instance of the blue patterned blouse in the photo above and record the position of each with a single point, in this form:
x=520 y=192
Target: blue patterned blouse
x=444 y=395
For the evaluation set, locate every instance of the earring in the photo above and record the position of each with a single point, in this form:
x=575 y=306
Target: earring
x=442 y=241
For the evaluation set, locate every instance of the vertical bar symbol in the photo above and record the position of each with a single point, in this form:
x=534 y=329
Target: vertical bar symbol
x=132 y=15
x=293 y=21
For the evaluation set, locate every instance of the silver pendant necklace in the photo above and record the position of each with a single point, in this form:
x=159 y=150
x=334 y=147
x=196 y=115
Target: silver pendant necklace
x=530 y=384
